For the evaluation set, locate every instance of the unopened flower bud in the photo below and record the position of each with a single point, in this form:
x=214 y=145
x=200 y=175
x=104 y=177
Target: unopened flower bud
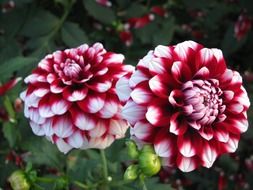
x=131 y=173
x=149 y=163
x=147 y=148
x=132 y=149
x=18 y=181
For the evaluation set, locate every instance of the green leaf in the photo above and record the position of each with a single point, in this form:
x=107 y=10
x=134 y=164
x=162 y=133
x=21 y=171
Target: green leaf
x=198 y=4
x=17 y=64
x=135 y=10
x=11 y=133
x=12 y=21
x=165 y=34
x=228 y=163
x=73 y=35
x=146 y=33
x=40 y=24
x=230 y=43
x=152 y=183
x=43 y=152
x=101 y=13
x=9 y=48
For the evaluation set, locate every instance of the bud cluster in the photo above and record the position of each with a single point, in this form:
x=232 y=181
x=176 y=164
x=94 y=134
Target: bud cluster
x=147 y=165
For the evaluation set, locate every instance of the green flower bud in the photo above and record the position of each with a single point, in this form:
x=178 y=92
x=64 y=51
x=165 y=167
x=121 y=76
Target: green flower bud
x=18 y=181
x=131 y=173
x=147 y=148
x=132 y=149
x=149 y=163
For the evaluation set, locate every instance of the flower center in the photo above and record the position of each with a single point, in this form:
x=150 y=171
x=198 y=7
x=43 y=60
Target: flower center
x=203 y=99
x=72 y=69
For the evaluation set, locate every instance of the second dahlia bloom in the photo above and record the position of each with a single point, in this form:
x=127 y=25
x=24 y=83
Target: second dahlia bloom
x=71 y=98
x=185 y=102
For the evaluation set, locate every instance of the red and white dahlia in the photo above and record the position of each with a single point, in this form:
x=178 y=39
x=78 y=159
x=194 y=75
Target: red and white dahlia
x=185 y=102
x=71 y=98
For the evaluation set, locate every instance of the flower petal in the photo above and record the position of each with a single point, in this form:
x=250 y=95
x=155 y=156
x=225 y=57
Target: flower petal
x=187 y=145
x=186 y=164
x=74 y=95
x=110 y=107
x=122 y=88
x=92 y=103
x=133 y=112
x=141 y=93
x=76 y=139
x=83 y=121
x=62 y=126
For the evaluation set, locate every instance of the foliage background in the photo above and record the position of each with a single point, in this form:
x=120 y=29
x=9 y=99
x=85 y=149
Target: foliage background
x=33 y=28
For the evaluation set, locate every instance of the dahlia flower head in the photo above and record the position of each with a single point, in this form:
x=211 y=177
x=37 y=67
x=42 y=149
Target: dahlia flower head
x=71 y=98
x=184 y=101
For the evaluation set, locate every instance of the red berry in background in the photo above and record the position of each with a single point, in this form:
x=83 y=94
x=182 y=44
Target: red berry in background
x=139 y=22
x=105 y=3
x=242 y=26
x=126 y=37
x=159 y=11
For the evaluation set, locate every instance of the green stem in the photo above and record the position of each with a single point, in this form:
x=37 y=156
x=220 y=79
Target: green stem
x=144 y=187
x=105 y=168
x=57 y=27
x=104 y=163
x=45 y=179
x=81 y=185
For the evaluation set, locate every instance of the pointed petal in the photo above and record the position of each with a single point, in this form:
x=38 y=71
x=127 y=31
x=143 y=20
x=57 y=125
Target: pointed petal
x=48 y=128
x=57 y=87
x=209 y=154
x=35 y=116
x=118 y=128
x=62 y=126
x=163 y=51
x=83 y=121
x=157 y=114
x=186 y=164
x=99 y=130
x=180 y=71
x=92 y=103
x=37 y=129
x=187 y=145
x=178 y=126
x=141 y=93
x=101 y=85
x=159 y=87
x=142 y=130
x=63 y=146
x=76 y=139
x=101 y=142
x=206 y=132
x=123 y=89
x=59 y=106
x=137 y=77
x=133 y=112
x=221 y=134
x=110 y=107
x=232 y=143
x=74 y=95
x=44 y=108
x=164 y=145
